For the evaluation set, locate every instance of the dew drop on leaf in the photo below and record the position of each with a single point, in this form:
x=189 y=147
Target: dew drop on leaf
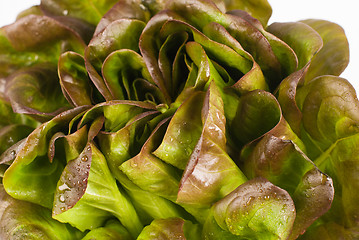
x=84 y=158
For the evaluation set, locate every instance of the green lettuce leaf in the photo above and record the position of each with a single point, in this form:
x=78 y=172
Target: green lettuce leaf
x=32 y=177
x=171 y=228
x=35 y=39
x=112 y=230
x=24 y=220
x=256 y=209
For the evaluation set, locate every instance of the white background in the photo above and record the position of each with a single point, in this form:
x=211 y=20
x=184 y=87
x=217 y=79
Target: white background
x=342 y=12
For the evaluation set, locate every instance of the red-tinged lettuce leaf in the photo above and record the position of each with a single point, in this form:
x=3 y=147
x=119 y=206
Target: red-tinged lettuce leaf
x=286 y=95
x=330 y=111
x=124 y=144
x=236 y=63
x=171 y=62
x=24 y=220
x=257 y=113
x=169 y=229
x=116 y=113
x=286 y=166
x=8 y=157
x=33 y=10
x=210 y=173
x=150 y=47
x=74 y=81
x=35 y=39
x=32 y=177
x=83 y=29
x=89 y=11
x=340 y=161
x=8 y=117
x=87 y=194
x=124 y=9
x=333 y=58
x=36 y=91
x=183 y=132
x=271 y=54
x=285 y=55
x=127 y=77
x=70 y=145
x=11 y=134
x=259 y=9
x=151 y=173
x=304 y=40
x=113 y=230
x=120 y=34
x=330 y=231
x=252 y=79
x=256 y=209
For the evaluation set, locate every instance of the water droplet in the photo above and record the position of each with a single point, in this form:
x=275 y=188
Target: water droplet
x=64 y=187
x=134 y=164
x=324 y=179
x=62 y=198
x=13 y=153
x=79 y=184
x=88 y=148
x=266 y=197
x=250 y=199
x=84 y=158
x=143 y=8
x=63 y=209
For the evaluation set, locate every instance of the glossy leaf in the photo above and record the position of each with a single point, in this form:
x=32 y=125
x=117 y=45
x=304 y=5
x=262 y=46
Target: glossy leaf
x=24 y=220
x=36 y=91
x=257 y=209
x=149 y=172
x=182 y=133
x=260 y=10
x=112 y=230
x=210 y=173
x=32 y=177
x=120 y=34
x=172 y=228
x=285 y=165
x=8 y=117
x=333 y=58
x=11 y=134
x=120 y=146
x=74 y=80
x=304 y=40
x=35 y=39
x=87 y=194
x=90 y=11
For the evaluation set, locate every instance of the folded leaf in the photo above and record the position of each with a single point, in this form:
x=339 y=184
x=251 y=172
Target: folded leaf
x=210 y=173
x=87 y=194
x=32 y=177
x=24 y=220
x=74 y=80
x=257 y=209
x=90 y=11
x=35 y=39
x=112 y=230
x=36 y=91
x=333 y=58
x=172 y=228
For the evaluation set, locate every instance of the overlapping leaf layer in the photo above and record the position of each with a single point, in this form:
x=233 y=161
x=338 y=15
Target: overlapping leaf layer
x=180 y=119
